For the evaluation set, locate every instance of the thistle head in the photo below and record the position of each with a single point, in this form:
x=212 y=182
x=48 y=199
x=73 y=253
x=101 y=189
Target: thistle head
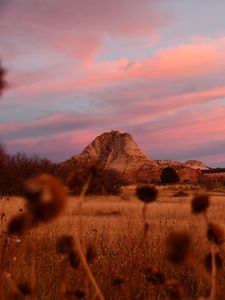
x=45 y=196
x=147 y=193
x=177 y=246
x=174 y=289
x=3 y=83
x=74 y=259
x=154 y=276
x=65 y=244
x=200 y=203
x=25 y=288
x=215 y=233
x=20 y=224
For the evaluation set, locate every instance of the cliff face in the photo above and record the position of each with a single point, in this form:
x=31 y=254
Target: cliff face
x=115 y=150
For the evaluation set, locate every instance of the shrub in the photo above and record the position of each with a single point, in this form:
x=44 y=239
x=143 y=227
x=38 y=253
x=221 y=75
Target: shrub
x=17 y=168
x=169 y=175
x=104 y=182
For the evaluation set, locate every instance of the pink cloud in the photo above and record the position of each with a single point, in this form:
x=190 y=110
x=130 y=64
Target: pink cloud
x=78 y=27
x=182 y=62
x=57 y=147
x=186 y=131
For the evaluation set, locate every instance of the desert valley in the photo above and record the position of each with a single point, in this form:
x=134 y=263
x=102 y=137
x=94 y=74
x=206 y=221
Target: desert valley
x=124 y=238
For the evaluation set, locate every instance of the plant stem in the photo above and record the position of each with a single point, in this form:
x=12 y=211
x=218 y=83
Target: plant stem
x=78 y=243
x=87 y=269
x=213 y=278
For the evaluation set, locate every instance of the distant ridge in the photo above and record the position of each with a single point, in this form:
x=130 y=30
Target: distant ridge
x=116 y=150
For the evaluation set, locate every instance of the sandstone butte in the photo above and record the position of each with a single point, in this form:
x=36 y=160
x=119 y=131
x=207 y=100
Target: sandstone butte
x=116 y=150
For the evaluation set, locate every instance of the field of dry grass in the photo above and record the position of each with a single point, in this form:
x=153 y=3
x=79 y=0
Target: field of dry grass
x=111 y=230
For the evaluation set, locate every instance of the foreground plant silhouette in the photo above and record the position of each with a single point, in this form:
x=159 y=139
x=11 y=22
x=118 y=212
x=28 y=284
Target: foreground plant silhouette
x=45 y=199
x=3 y=83
x=215 y=235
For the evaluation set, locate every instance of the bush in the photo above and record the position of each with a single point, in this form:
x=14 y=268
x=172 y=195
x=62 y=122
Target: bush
x=169 y=175
x=17 y=168
x=104 y=182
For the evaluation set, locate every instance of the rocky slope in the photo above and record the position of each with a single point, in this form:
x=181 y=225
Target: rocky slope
x=116 y=150
x=195 y=164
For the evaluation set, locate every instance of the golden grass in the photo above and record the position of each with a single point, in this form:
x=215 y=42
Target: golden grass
x=112 y=228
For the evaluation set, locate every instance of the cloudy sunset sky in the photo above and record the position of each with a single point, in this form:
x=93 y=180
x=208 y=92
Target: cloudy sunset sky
x=78 y=68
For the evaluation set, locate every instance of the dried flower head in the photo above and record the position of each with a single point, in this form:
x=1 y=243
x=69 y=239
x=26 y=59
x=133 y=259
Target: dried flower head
x=80 y=175
x=65 y=244
x=25 y=288
x=215 y=233
x=218 y=260
x=74 y=259
x=174 y=289
x=19 y=224
x=45 y=196
x=200 y=203
x=155 y=277
x=3 y=83
x=91 y=253
x=77 y=178
x=177 y=246
x=78 y=293
x=117 y=281
x=147 y=193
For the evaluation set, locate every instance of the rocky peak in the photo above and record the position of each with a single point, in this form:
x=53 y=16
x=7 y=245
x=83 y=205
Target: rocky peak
x=116 y=150
x=109 y=146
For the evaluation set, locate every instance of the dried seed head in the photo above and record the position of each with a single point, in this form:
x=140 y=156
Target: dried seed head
x=25 y=288
x=147 y=193
x=117 y=281
x=215 y=233
x=177 y=246
x=74 y=260
x=155 y=277
x=19 y=224
x=200 y=203
x=78 y=293
x=80 y=175
x=3 y=83
x=218 y=260
x=65 y=244
x=174 y=289
x=91 y=253
x=45 y=196
x=76 y=178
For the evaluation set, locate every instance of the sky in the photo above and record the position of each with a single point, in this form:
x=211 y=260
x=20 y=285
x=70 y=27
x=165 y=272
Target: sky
x=78 y=68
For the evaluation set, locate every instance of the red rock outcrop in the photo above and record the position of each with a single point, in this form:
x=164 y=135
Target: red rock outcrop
x=116 y=150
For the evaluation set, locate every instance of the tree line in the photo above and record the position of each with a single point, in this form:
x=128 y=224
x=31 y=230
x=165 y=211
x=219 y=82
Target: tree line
x=16 y=169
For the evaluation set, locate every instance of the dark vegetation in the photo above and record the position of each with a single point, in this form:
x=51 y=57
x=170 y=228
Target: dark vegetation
x=214 y=170
x=16 y=169
x=169 y=175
